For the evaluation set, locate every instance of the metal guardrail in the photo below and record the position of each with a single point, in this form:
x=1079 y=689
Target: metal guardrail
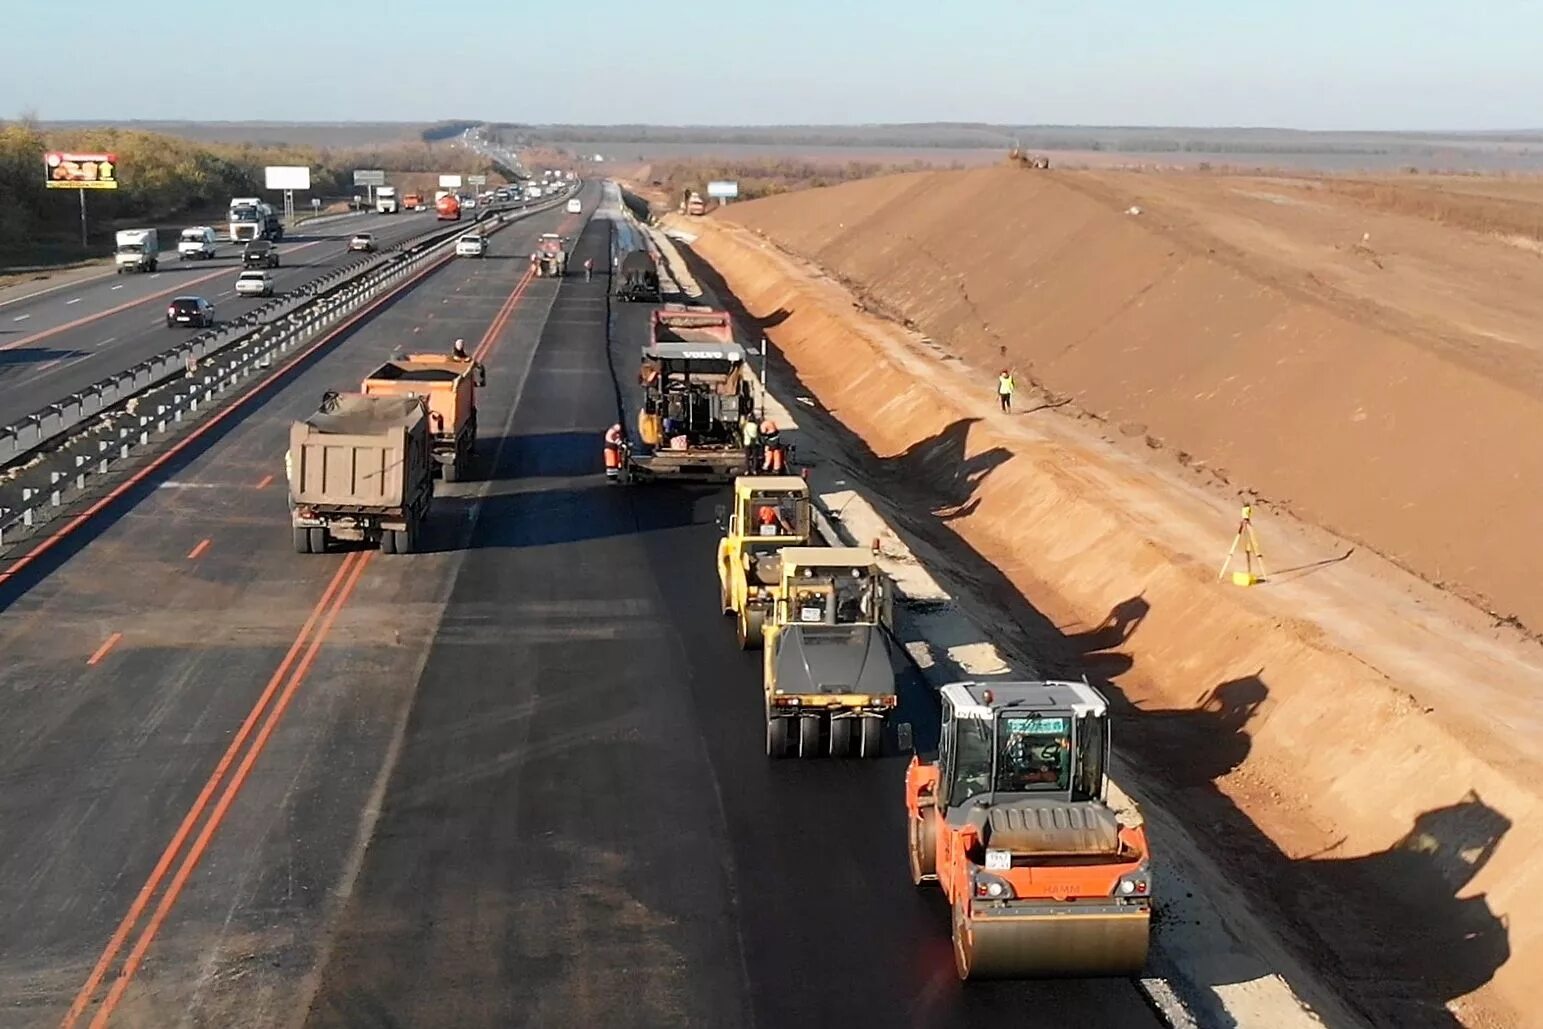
x=110 y=430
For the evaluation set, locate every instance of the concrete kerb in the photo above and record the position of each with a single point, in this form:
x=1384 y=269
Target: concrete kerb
x=243 y=360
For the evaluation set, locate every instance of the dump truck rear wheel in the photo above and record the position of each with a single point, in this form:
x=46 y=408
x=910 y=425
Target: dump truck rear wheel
x=841 y=734
x=302 y=541
x=388 y=541
x=776 y=736
x=922 y=848
x=318 y=541
x=808 y=735
x=872 y=741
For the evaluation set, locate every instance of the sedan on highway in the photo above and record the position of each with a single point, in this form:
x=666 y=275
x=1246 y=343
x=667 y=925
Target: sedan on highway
x=363 y=242
x=192 y=312
x=470 y=246
x=255 y=283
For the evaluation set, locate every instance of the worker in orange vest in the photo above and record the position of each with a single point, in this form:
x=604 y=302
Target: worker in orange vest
x=613 y=442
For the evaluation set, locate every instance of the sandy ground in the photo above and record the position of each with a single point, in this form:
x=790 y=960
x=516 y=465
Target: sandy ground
x=1322 y=730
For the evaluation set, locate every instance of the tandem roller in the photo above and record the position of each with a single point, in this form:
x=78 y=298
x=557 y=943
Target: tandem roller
x=1047 y=870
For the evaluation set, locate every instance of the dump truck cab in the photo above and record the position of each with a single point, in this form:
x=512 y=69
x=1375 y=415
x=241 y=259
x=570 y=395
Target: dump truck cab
x=447 y=385
x=828 y=674
x=1044 y=861
x=770 y=512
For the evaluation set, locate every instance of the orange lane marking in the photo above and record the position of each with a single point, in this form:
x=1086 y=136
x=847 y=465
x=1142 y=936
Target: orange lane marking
x=162 y=866
x=264 y=481
x=169 y=898
x=107 y=645
x=203 y=545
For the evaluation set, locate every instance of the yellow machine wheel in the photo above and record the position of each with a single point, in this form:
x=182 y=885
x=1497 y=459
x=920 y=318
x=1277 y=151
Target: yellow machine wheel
x=750 y=625
x=809 y=735
x=843 y=731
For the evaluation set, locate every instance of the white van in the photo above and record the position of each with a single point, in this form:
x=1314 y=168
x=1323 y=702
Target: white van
x=574 y=207
x=196 y=242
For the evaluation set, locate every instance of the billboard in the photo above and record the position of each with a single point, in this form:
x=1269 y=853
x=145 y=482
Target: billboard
x=80 y=171
x=285 y=176
x=366 y=178
x=723 y=189
x=476 y=180
x=450 y=181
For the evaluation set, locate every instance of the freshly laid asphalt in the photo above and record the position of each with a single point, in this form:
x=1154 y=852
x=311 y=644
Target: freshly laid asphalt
x=520 y=780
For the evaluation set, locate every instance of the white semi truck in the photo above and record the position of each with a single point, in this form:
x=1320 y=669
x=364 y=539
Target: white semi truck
x=137 y=250
x=251 y=218
x=386 y=201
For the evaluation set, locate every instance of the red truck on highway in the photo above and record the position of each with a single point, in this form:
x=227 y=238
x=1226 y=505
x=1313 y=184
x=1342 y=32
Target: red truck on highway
x=448 y=208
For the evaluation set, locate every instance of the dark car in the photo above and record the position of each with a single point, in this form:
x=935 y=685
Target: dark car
x=259 y=253
x=192 y=312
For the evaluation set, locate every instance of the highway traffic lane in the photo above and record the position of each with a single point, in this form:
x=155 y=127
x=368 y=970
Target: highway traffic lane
x=117 y=751
x=25 y=321
x=604 y=841
x=64 y=360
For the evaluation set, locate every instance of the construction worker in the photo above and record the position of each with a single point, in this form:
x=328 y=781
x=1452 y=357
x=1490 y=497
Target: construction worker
x=750 y=435
x=589 y=268
x=458 y=352
x=613 y=441
x=773 y=460
x=1005 y=389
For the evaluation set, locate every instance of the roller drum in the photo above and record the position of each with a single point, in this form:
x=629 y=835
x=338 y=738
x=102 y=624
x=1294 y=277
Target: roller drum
x=1059 y=942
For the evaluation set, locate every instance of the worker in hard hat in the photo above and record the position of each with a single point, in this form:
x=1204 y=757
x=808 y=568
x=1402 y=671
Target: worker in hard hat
x=458 y=352
x=613 y=442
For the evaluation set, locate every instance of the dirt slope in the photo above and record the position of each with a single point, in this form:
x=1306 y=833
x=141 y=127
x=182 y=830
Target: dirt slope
x=1340 y=741
x=1376 y=371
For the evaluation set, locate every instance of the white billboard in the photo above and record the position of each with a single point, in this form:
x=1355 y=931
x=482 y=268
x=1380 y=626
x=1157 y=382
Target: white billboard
x=723 y=189
x=450 y=181
x=285 y=176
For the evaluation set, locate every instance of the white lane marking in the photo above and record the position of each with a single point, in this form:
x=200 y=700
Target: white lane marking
x=109 y=339
x=118 y=286
x=21 y=318
x=69 y=302
x=157 y=275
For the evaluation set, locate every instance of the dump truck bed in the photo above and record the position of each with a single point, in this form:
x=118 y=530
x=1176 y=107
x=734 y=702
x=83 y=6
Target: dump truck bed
x=368 y=454
x=445 y=384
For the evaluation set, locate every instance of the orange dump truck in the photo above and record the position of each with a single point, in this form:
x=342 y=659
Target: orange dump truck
x=448 y=388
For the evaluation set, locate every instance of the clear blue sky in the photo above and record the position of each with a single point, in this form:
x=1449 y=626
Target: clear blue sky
x=1396 y=64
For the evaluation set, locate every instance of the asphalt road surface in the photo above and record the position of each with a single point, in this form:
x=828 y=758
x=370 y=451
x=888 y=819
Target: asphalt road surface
x=58 y=343
x=517 y=780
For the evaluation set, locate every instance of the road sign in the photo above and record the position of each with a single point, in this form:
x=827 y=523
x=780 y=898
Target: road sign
x=476 y=180
x=450 y=181
x=723 y=189
x=287 y=177
x=369 y=178
x=316 y=203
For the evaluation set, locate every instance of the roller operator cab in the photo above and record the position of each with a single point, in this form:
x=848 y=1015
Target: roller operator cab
x=770 y=512
x=829 y=676
x=1044 y=861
